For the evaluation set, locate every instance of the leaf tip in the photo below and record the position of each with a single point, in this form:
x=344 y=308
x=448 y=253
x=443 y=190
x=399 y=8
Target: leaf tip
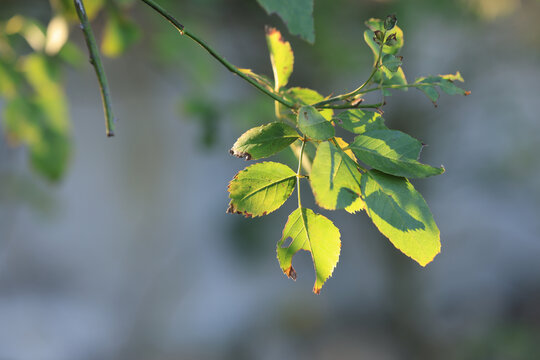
x=467 y=93
x=290 y=272
x=317 y=290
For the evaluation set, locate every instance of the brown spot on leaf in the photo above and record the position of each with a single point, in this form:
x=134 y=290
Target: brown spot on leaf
x=316 y=290
x=241 y=155
x=467 y=93
x=290 y=273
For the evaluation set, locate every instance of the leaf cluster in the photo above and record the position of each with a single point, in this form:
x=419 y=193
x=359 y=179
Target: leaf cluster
x=370 y=173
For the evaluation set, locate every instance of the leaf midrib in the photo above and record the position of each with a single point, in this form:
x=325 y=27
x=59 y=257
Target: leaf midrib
x=267 y=186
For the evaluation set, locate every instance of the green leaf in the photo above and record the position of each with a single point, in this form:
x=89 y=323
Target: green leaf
x=334 y=178
x=281 y=56
x=359 y=121
x=392 y=152
x=390 y=78
x=298 y=15
x=313 y=233
x=444 y=82
x=391 y=62
x=313 y=124
x=119 y=34
x=430 y=92
x=377 y=25
x=260 y=189
x=402 y=215
x=309 y=97
x=264 y=141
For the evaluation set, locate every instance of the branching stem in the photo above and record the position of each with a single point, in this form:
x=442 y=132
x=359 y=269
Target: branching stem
x=214 y=54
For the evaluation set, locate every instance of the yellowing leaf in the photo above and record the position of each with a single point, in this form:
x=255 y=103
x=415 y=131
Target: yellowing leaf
x=314 y=233
x=402 y=215
x=260 y=189
x=120 y=33
x=281 y=56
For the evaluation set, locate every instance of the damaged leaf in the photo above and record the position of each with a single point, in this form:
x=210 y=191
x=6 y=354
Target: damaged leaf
x=313 y=233
x=260 y=189
x=297 y=14
x=281 y=56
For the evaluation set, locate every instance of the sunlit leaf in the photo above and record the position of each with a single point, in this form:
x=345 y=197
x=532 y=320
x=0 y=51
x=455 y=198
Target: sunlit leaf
x=309 y=97
x=281 y=56
x=313 y=233
x=334 y=178
x=392 y=152
x=261 y=188
x=261 y=79
x=313 y=124
x=401 y=214
x=378 y=25
x=359 y=121
x=445 y=82
x=391 y=62
x=297 y=14
x=264 y=141
x=57 y=35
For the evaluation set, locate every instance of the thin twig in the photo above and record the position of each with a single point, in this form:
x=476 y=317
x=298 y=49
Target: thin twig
x=212 y=52
x=95 y=60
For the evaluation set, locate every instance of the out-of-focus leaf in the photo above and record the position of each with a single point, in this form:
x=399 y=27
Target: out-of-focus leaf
x=281 y=56
x=31 y=30
x=313 y=233
x=120 y=33
x=40 y=121
x=334 y=178
x=261 y=188
x=264 y=141
x=57 y=35
x=392 y=152
x=313 y=124
x=71 y=54
x=309 y=97
x=9 y=79
x=402 y=215
x=297 y=14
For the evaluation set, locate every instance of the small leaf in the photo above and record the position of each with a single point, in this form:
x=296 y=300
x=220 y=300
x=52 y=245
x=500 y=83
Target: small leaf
x=359 y=121
x=402 y=215
x=334 y=178
x=281 y=56
x=316 y=234
x=298 y=15
x=390 y=22
x=309 y=97
x=119 y=34
x=377 y=25
x=391 y=62
x=260 y=189
x=313 y=124
x=392 y=152
x=264 y=141
x=430 y=92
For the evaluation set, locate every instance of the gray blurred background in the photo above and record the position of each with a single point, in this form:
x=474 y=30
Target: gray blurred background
x=131 y=255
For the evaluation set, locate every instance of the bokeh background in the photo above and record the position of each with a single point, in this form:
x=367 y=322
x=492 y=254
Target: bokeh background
x=131 y=254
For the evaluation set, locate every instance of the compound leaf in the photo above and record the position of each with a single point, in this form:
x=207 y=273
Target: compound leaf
x=264 y=141
x=313 y=124
x=297 y=14
x=359 y=121
x=281 y=56
x=402 y=215
x=316 y=234
x=260 y=189
x=392 y=152
x=335 y=179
